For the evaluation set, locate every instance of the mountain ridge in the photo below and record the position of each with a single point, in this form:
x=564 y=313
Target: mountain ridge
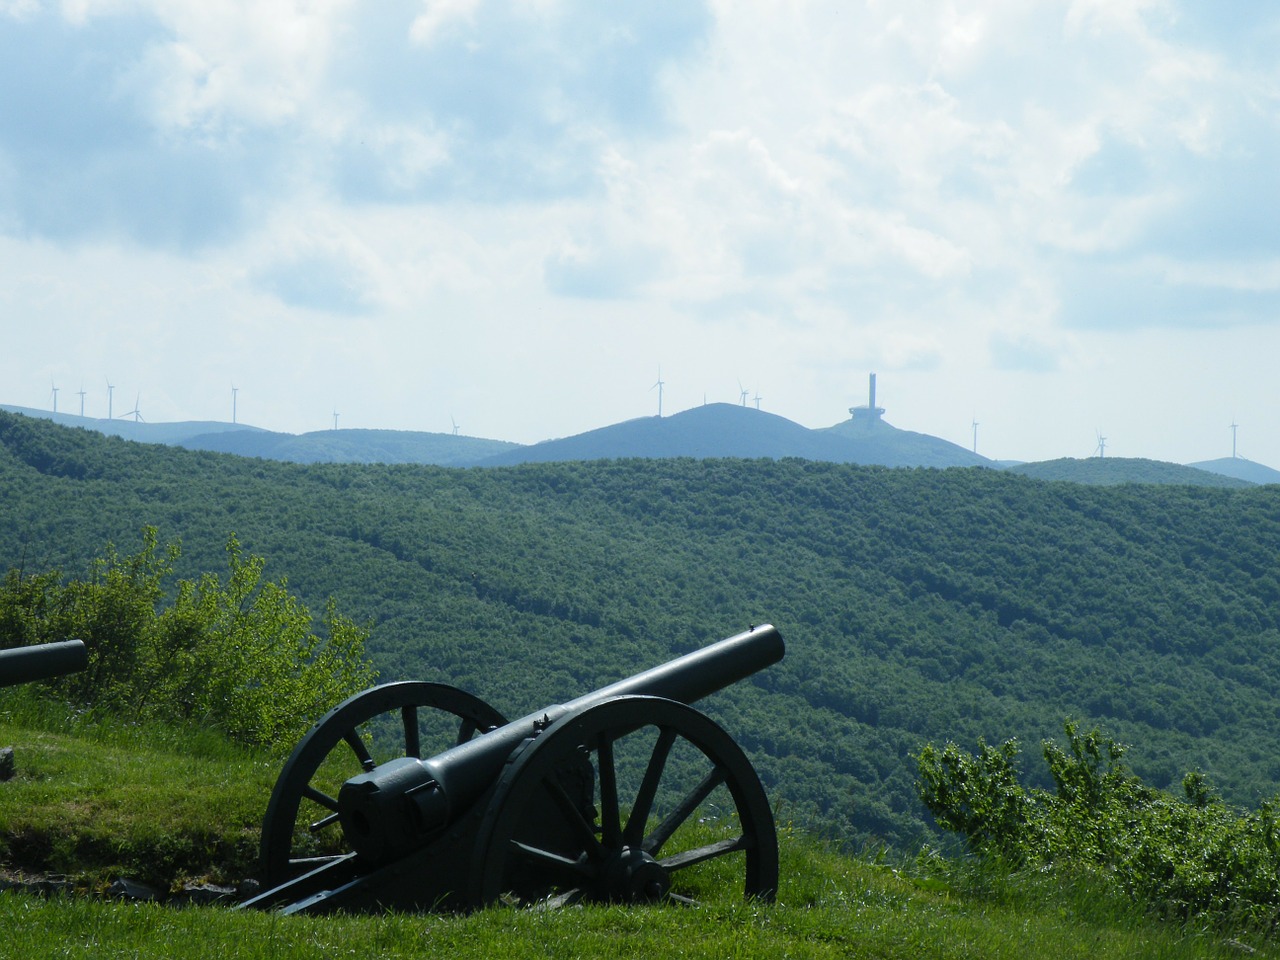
x=709 y=431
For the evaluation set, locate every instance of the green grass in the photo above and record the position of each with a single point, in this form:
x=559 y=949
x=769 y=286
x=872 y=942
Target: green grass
x=105 y=800
x=830 y=906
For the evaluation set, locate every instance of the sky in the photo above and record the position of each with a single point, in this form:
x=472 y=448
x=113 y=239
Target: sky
x=1057 y=219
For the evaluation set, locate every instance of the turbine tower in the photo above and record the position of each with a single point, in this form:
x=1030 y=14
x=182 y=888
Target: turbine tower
x=234 y=391
x=335 y=419
x=1101 y=448
x=80 y=394
x=111 y=392
x=743 y=392
x=659 y=385
x=455 y=424
x=136 y=412
x=1234 y=425
x=55 y=396
x=975 y=435
x=758 y=398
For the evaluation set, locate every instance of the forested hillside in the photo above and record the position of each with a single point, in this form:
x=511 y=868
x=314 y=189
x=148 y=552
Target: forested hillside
x=917 y=604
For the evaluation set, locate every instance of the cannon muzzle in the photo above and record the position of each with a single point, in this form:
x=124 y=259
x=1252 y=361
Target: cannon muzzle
x=41 y=661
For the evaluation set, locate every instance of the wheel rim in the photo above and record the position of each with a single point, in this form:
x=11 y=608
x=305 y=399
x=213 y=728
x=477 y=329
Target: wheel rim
x=409 y=719
x=637 y=799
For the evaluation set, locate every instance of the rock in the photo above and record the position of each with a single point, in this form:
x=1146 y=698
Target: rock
x=133 y=890
x=206 y=894
x=7 y=766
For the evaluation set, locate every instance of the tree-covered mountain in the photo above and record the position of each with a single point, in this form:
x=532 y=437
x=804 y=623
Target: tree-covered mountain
x=1113 y=470
x=918 y=604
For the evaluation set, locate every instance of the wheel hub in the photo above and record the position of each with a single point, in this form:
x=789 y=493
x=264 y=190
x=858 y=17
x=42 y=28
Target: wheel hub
x=632 y=876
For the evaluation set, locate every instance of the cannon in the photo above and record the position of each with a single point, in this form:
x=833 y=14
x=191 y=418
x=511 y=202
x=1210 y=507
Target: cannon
x=624 y=795
x=41 y=661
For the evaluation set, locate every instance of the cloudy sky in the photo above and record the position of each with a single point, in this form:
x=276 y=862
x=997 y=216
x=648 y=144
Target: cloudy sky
x=1059 y=219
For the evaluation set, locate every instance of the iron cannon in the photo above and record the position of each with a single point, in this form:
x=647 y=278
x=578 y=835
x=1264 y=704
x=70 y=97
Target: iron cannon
x=41 y=661
x=626 y=794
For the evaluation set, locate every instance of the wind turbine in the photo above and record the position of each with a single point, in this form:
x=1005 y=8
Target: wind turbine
x=234 y=391
x=55 y=395
x=136 y=412
x=335 y=419
x=1234 y=425
x=1101 y=448
x=80 y=394
x=659 y=385
x=110 y=395
x=758 y=398
x=455 y=424
x=743 y=393
x=975 y=435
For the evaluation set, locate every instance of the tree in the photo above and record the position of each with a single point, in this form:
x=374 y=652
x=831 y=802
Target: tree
x=239 y=655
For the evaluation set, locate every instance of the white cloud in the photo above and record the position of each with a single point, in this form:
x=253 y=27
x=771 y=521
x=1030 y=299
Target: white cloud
x=757 y=190
x=438 y=15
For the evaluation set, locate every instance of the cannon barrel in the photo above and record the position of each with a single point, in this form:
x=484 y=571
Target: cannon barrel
x=402 y=804
x=41 y=661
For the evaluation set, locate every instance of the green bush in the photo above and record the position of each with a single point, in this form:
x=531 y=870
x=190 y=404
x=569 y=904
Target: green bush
x=1191 y=857
x=238 y=655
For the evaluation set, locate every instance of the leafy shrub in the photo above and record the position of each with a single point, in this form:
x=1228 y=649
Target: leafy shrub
x=1185 y=858
x=238 y=655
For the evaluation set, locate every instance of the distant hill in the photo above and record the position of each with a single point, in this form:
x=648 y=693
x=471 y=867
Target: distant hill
x=717 y=430
x=1107 y=471
x=140 y=430
x=320 y=446
x=730 y=430
x=1239 y=468
x=353 y=446
x=882 y=443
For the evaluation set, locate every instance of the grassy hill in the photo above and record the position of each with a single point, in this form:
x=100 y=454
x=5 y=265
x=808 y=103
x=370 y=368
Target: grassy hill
x=918 y=605
x=101 y=801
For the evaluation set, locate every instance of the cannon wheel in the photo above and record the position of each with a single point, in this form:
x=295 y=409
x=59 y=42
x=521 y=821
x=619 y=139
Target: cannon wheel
x=336 y=743
x=545 y=839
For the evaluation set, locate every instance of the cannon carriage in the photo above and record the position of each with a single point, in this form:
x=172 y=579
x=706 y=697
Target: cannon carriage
x=418 y=796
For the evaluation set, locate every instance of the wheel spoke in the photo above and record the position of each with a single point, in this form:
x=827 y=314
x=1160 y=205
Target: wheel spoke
x=466 y=730
x=317 y=796
x=547 y=858
x=321 y=824
x=412 y=740
x=654 y=842
x=634 y=832
x=352 y=737
x=702 y=854
x=578 y=823
x=610 y=818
